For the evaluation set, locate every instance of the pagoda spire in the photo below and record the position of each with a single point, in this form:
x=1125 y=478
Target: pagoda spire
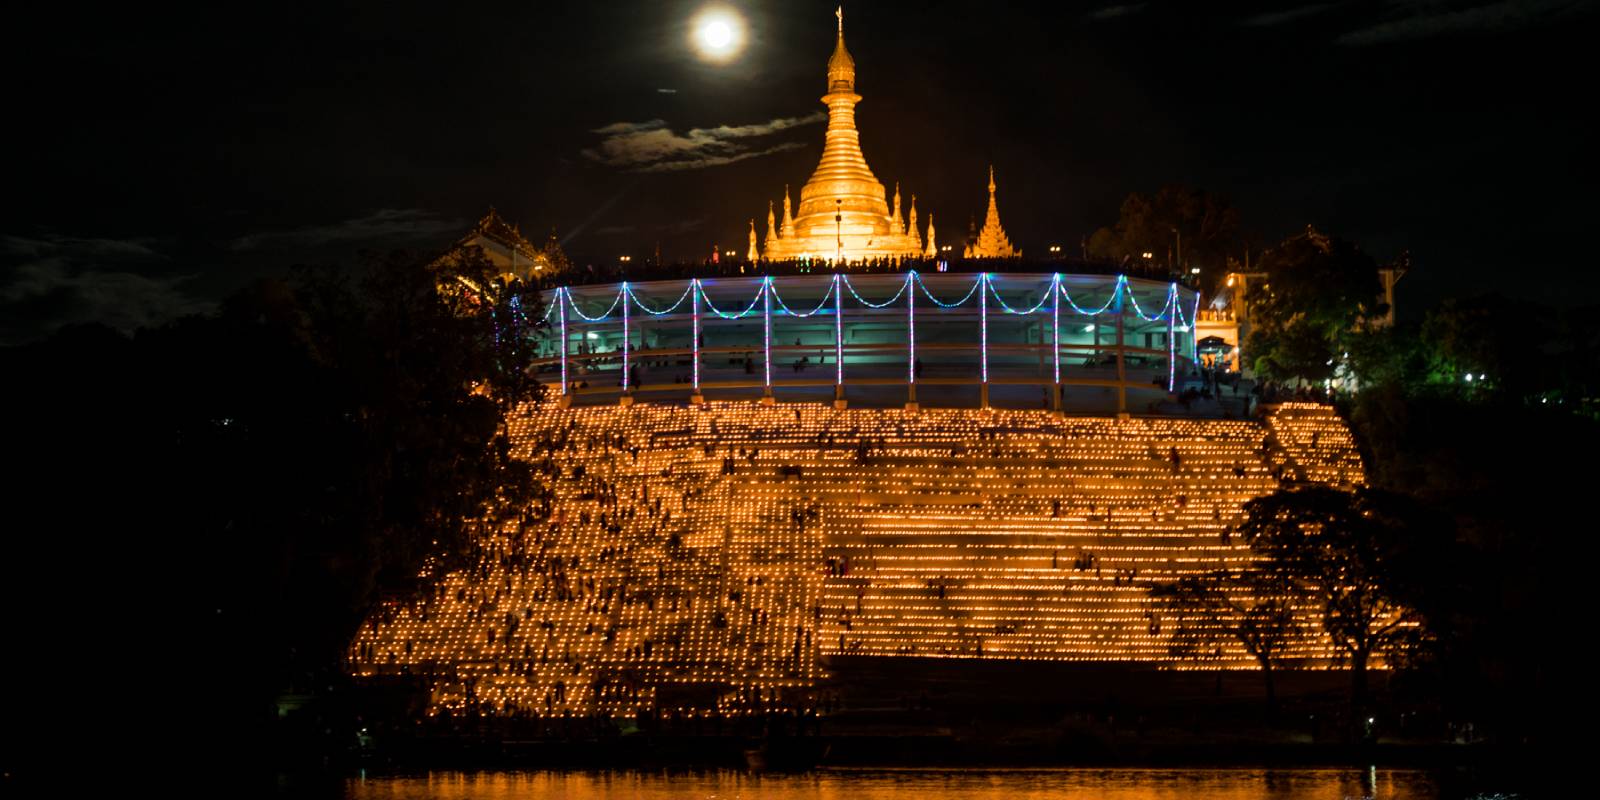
x=771 y=224
x=991 y=241
x=753 y=255
x=895 y=214
x=843 y=207
x=933 y=250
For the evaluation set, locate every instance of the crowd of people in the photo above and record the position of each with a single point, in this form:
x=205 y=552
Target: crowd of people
x=734 y=268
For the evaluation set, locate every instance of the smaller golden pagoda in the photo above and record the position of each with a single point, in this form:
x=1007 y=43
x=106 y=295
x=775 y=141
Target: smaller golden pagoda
x=992 y=241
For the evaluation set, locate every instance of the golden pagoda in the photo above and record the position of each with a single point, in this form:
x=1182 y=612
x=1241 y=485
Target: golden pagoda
x=992 y=241
x=844 y=212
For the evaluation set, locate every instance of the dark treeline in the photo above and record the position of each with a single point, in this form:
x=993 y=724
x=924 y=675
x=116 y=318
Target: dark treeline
x=202 y=513
x=1476 y=419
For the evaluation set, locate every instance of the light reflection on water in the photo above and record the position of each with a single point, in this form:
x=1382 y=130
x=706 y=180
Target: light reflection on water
x=944 y=784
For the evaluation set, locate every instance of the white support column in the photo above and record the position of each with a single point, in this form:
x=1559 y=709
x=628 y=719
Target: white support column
x=561 y=310
x=627 y=336
x=694 y=337
x=766 y=340
x=838 y=341
x=983 y=338
x=911 y=342
x=1055 y=338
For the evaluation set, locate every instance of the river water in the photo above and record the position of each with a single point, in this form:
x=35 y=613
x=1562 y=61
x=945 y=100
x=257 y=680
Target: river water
x=943 y=784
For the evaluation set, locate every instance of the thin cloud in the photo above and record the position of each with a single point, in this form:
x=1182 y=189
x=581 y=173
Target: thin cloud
x=1274 y=18
x=1113 y=12
x=653 y=147
x=1422 y=20
x=385 y=223
x=667 y=228
x=56 y=281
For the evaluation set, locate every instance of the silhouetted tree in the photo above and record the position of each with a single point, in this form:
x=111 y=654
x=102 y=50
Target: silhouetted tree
x=1351 y=553
x=1316 y=293
x=1208 y=224
x=258 y=478
x=1252 y=607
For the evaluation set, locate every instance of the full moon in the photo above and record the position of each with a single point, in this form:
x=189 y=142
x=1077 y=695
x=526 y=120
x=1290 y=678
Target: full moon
x=717 y=34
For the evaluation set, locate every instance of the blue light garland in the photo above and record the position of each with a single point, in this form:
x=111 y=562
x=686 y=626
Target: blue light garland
x=785 y=308
x=941 y=304
x=646 y=309
x=742 y=314
x=1116 y=292
x=1171 y=312
x=863 y=300
x=1009 y=309
x=1164 y=313
x=586 y=317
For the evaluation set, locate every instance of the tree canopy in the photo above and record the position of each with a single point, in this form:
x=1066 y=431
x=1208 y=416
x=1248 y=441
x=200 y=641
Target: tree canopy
x=1254 y=607
x=261 y=476
x=1316 y=292
x=1209 y=227
x=1352 y=552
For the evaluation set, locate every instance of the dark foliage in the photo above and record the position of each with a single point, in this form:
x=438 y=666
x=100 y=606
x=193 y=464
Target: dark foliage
x=213 y=506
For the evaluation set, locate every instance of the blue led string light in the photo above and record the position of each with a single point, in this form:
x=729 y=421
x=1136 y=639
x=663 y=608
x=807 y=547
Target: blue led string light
x=579 y=311
x=1009 y=309
x=1164 y=313
x=648 y=310
x=1116 y=292
x=785 y=308
x=725 y=315
x=940 y=303
x=865 y=302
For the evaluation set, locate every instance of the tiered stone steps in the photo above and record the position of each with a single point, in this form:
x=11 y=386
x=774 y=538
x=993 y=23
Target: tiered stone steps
x=714 y=557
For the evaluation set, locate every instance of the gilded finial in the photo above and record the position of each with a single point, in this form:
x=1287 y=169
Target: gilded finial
x=841 y=67
x=991 y=179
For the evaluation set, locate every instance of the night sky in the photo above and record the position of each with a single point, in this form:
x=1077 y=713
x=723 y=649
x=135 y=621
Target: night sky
x=157 y=159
